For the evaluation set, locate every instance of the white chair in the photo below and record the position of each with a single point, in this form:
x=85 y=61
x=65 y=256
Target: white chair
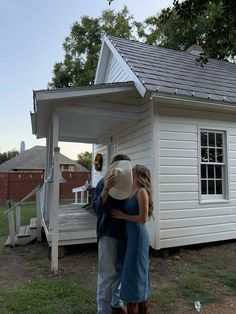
x=84 y=197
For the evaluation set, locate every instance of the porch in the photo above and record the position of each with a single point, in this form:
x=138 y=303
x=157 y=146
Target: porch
x=91 y=114
x=76 y=225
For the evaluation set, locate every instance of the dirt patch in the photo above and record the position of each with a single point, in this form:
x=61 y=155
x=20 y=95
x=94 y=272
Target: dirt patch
x=227 y=306
x=22 y=264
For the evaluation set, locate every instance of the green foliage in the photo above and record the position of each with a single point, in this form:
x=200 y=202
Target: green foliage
x=210 y=24
x=169 y=31
x=192 y=287
x=8 y=155
x=85 y=160
x=177 y=29
x=219 y=38
x=83 y=44
x=164 y=299
x=56 y=295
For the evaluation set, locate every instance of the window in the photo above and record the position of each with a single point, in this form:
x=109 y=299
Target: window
x=213 y=165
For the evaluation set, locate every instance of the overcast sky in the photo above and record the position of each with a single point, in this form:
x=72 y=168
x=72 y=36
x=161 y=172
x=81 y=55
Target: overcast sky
x=31 y=37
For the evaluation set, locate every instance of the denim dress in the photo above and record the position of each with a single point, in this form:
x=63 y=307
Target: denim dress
x=135 y=276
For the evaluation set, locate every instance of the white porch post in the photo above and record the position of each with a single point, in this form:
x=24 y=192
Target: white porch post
x=55 y=196
x=48 y=194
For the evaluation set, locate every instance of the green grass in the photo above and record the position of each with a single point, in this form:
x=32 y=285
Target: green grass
x=164 y=299
x=207 y=273
x=192 y=287
x=48 y=296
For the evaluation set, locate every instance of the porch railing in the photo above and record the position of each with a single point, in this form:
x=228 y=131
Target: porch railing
x=15 y=223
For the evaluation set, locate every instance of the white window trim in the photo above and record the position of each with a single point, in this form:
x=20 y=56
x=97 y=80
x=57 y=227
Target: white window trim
x=221 y=198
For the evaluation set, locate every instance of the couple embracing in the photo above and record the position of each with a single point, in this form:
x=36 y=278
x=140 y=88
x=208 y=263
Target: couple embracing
x=123 y=203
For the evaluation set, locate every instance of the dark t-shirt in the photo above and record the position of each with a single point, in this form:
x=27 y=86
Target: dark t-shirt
x=106 y=225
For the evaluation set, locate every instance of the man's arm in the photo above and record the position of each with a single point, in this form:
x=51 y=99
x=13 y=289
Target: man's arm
x=102 y=192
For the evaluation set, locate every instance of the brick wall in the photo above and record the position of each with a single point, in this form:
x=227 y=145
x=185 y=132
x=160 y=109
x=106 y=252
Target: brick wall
x=3 y=187
x=16 y=185
x=73 y=180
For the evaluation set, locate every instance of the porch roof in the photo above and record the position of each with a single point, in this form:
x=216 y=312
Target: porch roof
x=89 y=114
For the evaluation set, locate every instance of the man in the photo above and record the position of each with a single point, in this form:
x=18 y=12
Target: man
x=111 y=234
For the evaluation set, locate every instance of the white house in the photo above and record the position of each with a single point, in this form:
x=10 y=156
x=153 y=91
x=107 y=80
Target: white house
x=157 y=106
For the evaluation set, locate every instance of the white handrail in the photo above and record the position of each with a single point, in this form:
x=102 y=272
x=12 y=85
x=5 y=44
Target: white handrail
x=24 y=199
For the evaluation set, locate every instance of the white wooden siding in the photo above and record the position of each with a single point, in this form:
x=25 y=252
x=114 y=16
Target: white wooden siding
x=97 y=175
x=136 y=142
x=115 y=72
x=183 y=219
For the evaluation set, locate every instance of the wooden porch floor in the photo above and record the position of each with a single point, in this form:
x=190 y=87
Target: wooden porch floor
x=77 y=225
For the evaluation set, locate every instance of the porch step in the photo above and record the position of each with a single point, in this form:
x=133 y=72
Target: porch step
x=24 y=232
x=8 y=242
x=24 y=236
x=33 y=223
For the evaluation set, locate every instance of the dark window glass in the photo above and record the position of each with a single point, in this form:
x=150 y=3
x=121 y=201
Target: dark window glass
x=219 y=140
x=218 y=172
x=204 y=155
x=204 y=187
x=219 y=155
x=203 y=171
x=212 y=157
x=211 y=187
x=203 y=138
x=218 y=186
x=210 y=171
x=212 y=139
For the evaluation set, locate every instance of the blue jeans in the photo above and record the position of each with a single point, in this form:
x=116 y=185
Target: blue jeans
x=110 y=258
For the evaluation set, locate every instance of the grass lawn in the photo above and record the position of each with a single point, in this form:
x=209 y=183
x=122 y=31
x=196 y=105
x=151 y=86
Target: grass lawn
x=206 y=272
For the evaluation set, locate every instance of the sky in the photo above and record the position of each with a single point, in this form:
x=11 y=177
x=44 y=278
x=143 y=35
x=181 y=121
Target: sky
x=31 y=36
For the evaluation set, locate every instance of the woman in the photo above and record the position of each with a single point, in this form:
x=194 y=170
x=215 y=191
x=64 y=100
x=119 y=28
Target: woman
x=136 y=211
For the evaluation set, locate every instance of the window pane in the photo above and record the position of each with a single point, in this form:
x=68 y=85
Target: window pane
x=210 y=171
x=204 y=187
x=218 y=186
x=203 y=171
x=211 y=187
x=219 y=155
x=219 y=140
x=212 y=157
x=212 y=139
x=212 y=163
x=204 y=155
x=203 y=138
x=218 y=172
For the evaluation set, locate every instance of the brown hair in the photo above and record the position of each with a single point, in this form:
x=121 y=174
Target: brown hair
x=120 y=157
x=143 y=179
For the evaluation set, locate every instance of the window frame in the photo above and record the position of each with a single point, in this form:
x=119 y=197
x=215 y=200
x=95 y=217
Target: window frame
x=215 y=198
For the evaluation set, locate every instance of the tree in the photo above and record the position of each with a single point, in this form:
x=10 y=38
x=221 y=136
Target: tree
x=210 y=23
x=83 y=44
x=85 y=160
x=219 y=39
x=170 y=31
x=8 y=155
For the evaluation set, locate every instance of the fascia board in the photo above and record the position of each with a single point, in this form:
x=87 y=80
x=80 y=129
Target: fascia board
x=197 y=103
x=100 y=71
x=33 y=122
x=45 y=95
x=133 y=77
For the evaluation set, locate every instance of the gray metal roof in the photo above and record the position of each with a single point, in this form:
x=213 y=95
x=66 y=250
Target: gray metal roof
x=174 y=72
x=34 y=159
